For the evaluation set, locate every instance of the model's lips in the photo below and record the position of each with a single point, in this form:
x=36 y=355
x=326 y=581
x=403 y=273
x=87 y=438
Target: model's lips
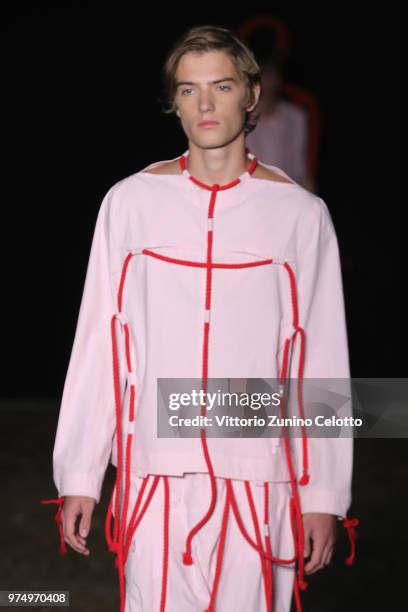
x=208 y=123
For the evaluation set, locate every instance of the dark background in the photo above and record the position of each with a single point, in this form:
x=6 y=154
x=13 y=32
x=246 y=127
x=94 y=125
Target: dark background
x=81 y=83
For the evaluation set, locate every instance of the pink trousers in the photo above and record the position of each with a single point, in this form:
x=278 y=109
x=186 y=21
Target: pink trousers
x=240 y=585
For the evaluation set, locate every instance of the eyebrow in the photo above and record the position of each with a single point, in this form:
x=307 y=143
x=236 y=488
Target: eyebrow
x=211 y=82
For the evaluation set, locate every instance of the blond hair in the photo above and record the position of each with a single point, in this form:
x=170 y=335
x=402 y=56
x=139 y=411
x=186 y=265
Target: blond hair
x=201 y=39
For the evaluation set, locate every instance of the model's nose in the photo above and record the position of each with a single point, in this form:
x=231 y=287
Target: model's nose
x=206 y=102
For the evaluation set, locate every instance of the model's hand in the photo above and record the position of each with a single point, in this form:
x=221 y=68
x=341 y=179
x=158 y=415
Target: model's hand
x=320 y=533
x=73 y=506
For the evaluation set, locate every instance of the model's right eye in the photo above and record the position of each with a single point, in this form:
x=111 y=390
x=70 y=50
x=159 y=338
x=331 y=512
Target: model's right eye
x=184 y=90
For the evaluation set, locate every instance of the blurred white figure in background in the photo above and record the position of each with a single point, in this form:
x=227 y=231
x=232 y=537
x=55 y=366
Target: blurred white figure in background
x=280 y=137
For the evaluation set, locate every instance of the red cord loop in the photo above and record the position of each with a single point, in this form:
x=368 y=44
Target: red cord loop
x=60 y=501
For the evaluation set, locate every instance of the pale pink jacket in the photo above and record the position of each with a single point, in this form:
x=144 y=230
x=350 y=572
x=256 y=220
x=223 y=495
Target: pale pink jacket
x=251 y=316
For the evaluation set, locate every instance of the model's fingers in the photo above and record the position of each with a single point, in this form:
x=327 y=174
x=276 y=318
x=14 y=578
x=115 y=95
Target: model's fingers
x=75 y=543
x=307 y=544
x=327 y=555
x=315 y=562
x=77 y=547
x=85 y=524
x=307 y=540
x=72 y=539
x=68 y=521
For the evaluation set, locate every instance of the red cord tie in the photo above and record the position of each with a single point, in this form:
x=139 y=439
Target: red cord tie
x=302 y=584
x=59 y=500
x=350 y=524
x=187 y=558
x=305 y=479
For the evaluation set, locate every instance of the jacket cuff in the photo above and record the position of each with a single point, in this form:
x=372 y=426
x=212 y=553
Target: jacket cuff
x=79 y=483
x=325 y=501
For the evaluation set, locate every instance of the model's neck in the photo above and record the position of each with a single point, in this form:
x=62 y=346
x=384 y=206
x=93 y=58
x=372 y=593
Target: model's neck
x=216 y=166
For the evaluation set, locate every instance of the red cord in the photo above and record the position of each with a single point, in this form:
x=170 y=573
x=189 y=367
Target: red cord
x=60 y=501
x=268 y=546
x=165 y=543
x=259 y=543
x=220 y=553
x=304 y=480
x=350 y=524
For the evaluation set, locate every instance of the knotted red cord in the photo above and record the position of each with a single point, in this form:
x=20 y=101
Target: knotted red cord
x=350 y=524
x=60 y=501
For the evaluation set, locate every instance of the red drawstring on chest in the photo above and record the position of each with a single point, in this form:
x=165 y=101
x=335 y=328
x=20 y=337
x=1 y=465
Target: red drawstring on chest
x=124 y=528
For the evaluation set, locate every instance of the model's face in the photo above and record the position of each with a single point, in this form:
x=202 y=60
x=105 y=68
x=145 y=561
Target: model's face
x=199 y=98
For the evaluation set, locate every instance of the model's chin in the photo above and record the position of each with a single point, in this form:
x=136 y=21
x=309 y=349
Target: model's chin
x=205 y=143
x=210 y=138
x=208 y=134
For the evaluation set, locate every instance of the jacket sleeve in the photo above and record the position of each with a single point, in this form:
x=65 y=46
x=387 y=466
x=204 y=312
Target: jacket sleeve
x=87 y=420
x=321 y=314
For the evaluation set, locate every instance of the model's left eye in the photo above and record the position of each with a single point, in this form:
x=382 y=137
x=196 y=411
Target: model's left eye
x=226 y=87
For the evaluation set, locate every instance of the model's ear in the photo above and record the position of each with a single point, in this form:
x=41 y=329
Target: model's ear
x=257 y=92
